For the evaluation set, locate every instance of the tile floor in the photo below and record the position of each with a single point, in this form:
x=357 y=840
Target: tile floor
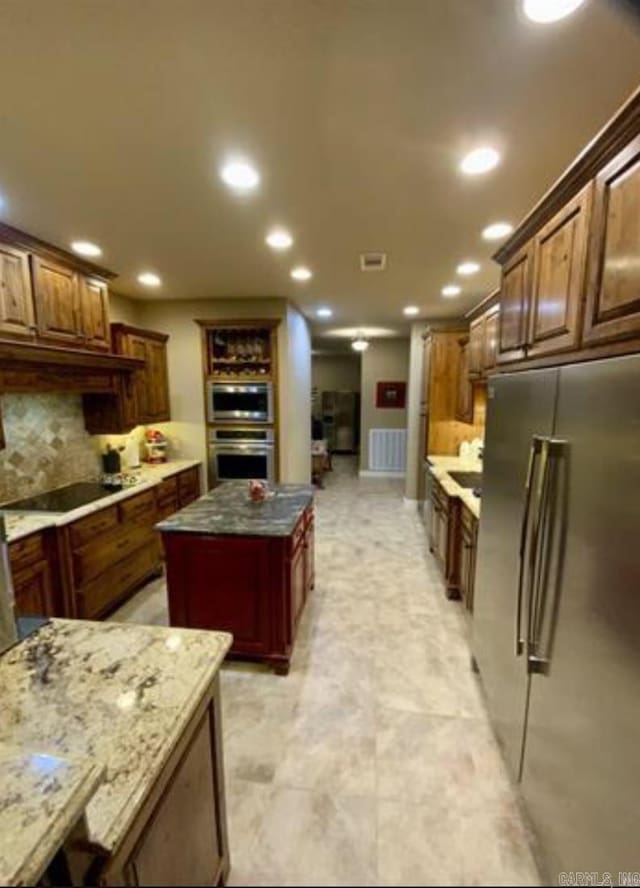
x=372 y=762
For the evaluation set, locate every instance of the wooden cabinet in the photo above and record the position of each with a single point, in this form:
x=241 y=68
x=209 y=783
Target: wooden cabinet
x=94 y=313
x=443 y=535
x=560 y=250
x=157 y=406
x=613 y=290
x=514 y=305
x=464 y=405
x=188 y=486
x=491 y=336
x=254 y=587
x=167 y=497
x=31 y=569
x=56 y=293
x=17 y=317
x=476 y=346
x=483 y=340
x=468 y=541
x=151 y=385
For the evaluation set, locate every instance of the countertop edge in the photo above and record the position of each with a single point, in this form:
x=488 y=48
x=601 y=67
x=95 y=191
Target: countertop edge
x=434 y=464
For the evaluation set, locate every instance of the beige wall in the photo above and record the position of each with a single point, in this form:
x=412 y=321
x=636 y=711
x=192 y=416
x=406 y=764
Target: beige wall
x=123 y=310
x=415 y=421
x=386 y=360
x=335 y=373
x=296 y=388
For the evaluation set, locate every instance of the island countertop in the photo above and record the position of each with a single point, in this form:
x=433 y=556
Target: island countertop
x=104 y=696
x=227 y=510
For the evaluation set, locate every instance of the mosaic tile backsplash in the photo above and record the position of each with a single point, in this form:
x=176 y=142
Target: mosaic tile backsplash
x=47 y=444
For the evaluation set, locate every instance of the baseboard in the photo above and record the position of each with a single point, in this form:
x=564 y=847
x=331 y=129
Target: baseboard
x=370 y=473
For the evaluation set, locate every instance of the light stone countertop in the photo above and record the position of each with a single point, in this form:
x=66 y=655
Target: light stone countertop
x=43 y=797
x=440 y=466
x=21 y=524
x=103 y=695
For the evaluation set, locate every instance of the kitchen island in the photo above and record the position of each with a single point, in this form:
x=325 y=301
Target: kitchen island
x=243 y=567
x=111 y=757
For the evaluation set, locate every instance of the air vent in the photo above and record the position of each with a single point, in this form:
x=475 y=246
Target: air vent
x=373 y=261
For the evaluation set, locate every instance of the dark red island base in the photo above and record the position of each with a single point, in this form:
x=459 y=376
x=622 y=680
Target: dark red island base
x=252 y=585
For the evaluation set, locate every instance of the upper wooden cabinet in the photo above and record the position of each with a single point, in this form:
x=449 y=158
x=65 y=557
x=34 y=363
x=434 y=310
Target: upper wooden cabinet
x=560 y=251
x=515 y=294
x=613 y=292
x=57 y=302
x=491 y=335
x=16 y=303
x=483 y=341
x=464 y=403
x=151 y=385
x=94 y=313
x=476 y=346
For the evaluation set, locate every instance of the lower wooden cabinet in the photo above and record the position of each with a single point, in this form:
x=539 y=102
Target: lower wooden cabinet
x=254 y=587
x=443 y=536
x=33 y=570
x=468 y=542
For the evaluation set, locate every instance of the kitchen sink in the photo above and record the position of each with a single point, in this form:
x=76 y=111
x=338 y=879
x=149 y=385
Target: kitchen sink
x=468 y=479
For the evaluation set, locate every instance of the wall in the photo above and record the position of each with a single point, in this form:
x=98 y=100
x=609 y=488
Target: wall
x=296 y=417
x=415 y=419
x=386 y=360
x=123 y=310
x=336 y=373
x=47 y=444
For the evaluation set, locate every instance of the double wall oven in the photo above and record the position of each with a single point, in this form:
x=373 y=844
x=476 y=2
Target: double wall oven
x=236 y=453
x=235 y=402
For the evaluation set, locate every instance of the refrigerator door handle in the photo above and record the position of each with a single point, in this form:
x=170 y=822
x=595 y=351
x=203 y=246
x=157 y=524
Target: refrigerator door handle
x=534 y=450
x=538 y=662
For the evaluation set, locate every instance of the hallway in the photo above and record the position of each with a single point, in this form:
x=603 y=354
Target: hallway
x=373 y=761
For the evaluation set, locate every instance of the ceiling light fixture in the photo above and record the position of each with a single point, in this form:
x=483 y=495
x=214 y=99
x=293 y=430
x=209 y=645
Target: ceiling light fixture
x=240 y=175
x=360 y=344
x=149 y=279
x=86 y=248
x=497 y=230
x=411 y=310
x=324 y=312
x=467 y=268
x=451 y=290
x=279 y=239
x=301 y=273
x=546 y=11
x=480 y=160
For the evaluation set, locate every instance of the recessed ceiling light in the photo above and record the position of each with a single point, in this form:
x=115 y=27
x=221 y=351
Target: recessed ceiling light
x=497 y=231
x=300 y=273
x=240 y=175
x=467 y=268
x=324 y=312
x=411 y=310
x=360 y=344
x=546 y=11
x=279 y=239
x=480 y=160
x=451 y=290
x=149 y=279
x=86 y=248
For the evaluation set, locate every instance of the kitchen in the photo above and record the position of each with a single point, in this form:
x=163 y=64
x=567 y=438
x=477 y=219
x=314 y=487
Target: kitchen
x=401 y=677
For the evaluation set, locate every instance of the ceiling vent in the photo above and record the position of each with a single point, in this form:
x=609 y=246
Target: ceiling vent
x=373 y=261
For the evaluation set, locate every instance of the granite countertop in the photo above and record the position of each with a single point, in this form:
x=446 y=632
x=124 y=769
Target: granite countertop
x=43 y=797
x=101 y=695
x=440 y=466
x=227 y=510
x=21 y=524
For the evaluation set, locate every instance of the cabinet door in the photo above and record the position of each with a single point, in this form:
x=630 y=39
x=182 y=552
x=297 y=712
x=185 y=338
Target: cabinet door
x=33 y=591
x=467 y=565
x=515 y=294
x=491 y=333
x=476 y=346
x=16 y=302
x=93 y=298
x=559 y=273
x=613 y=287
x=298 y=581
x=157 y=381
x=309 y=542
x=464 y=403
x=136 y=347
x=56 y=300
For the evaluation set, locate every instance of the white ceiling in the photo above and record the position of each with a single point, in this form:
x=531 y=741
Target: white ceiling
x=116 y=115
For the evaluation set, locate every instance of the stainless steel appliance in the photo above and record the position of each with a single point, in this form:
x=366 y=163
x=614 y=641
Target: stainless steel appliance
x=241 y=453
x=556 y=632
x=240 y=402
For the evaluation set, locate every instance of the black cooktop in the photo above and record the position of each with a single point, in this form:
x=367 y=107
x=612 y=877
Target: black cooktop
x=64 y=499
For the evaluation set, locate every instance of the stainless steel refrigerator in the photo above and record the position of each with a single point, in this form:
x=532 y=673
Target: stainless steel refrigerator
x=556 y=631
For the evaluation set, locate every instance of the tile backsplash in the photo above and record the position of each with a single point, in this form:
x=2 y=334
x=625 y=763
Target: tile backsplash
x=47 y=444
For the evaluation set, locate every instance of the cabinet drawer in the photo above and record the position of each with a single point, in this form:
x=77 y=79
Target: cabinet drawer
x=139 y=509
x=26 y=551
x=97 y=557
x=86 y=529
x=167 y=491
x=97 y=596
x=167 y=507
x=188 y=486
